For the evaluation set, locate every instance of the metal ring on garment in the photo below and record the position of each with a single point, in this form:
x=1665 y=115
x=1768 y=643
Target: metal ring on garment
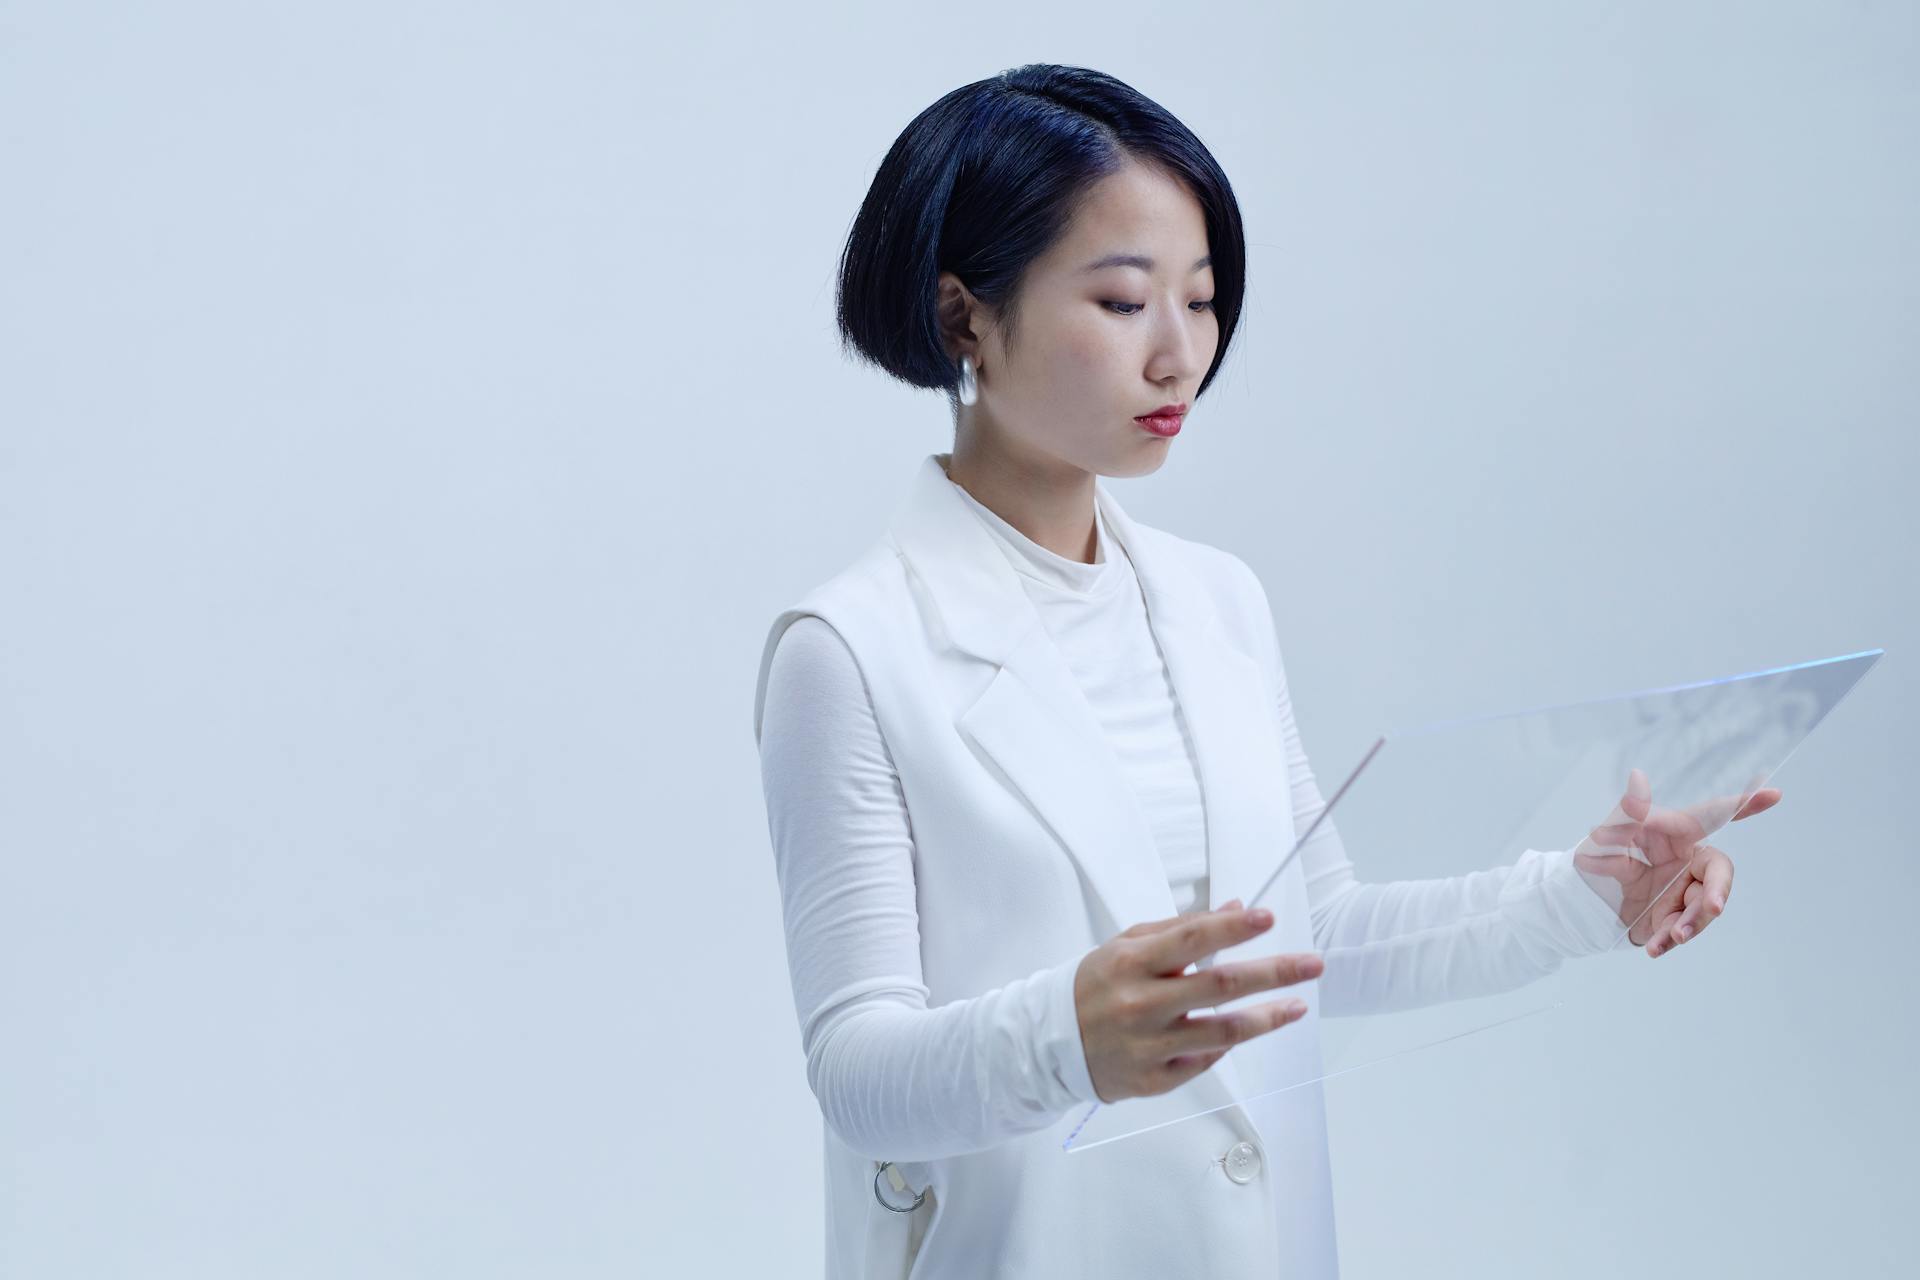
x=883 y=1200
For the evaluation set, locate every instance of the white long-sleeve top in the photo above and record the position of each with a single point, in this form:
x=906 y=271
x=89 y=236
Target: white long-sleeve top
x=1097 y=617
x=896 y=1077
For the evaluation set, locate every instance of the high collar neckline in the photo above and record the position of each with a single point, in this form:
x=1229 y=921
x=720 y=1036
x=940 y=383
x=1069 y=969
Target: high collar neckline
x=1040 y=564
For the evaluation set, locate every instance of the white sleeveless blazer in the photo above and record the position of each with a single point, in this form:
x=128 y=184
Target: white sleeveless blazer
x=1029 y=848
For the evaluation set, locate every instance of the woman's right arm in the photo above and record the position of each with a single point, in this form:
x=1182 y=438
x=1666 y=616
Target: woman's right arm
x=895 y=1079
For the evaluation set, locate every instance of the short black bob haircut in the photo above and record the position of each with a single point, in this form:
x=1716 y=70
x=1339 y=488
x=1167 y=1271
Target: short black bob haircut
x=984 y=181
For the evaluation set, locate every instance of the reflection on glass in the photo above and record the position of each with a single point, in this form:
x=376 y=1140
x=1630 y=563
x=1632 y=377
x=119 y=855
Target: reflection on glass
x=1494 y=850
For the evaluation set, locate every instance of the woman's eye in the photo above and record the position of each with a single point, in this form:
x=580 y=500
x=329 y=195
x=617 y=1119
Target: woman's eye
x=1205 y=304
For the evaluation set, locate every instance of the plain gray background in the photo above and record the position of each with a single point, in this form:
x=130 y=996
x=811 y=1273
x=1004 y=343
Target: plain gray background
x=413 y=415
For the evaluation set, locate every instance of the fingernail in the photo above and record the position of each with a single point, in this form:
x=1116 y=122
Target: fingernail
x=1259 y=916
x=1686 y=931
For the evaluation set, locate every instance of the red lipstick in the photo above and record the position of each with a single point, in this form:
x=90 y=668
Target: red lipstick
x=1164 y=421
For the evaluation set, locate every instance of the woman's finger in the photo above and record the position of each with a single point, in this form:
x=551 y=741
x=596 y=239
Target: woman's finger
x=1146 y=927
x=1712 y=814
x=1188 y=938
x=1668 y=936
x=1707 y=897
x=1688 y=922
x=1762 y=800
x=1663 y=939
x=1638 y=801
x=1614 y=832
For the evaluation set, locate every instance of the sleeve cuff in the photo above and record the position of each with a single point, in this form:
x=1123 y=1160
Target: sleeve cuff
x=1061 y=1049
x=1549 y=896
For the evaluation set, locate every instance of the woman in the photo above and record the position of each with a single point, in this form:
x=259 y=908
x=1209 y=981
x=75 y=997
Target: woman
x=1013 y=753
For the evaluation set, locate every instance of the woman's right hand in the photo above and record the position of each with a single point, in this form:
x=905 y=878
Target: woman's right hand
x=1133 y=994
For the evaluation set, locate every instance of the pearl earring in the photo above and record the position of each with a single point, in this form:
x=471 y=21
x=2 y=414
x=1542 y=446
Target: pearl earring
x=969 y=385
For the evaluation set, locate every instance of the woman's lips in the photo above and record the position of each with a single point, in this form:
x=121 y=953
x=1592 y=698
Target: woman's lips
x=1162 y=425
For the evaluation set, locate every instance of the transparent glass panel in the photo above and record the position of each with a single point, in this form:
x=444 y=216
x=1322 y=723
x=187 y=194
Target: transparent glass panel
x=1487 y=854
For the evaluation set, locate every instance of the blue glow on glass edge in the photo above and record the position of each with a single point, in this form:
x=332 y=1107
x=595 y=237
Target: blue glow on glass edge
x=1637 y=693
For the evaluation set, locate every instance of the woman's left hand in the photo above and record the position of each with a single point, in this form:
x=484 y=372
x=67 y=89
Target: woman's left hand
x=1681 y=886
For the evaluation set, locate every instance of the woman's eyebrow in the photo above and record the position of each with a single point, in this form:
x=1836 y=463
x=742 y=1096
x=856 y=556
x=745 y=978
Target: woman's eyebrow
x=1140 y=260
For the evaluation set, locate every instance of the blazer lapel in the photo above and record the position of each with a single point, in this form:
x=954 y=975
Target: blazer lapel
x=1031 y=721
x=1034 y=724
x=1222 y=692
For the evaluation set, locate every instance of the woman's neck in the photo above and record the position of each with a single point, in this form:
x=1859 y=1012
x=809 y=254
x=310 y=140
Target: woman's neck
x=1055 y=514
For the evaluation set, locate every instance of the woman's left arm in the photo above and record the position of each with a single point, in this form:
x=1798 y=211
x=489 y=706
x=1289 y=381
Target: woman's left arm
x=1406 y=944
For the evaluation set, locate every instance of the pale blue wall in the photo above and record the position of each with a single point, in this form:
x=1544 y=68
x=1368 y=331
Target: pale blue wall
x=411 y=416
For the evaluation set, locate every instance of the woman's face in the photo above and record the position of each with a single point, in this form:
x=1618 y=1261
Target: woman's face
x=1099 y=341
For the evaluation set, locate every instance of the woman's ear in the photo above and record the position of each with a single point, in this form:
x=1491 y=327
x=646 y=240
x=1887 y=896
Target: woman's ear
x=957 y=310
